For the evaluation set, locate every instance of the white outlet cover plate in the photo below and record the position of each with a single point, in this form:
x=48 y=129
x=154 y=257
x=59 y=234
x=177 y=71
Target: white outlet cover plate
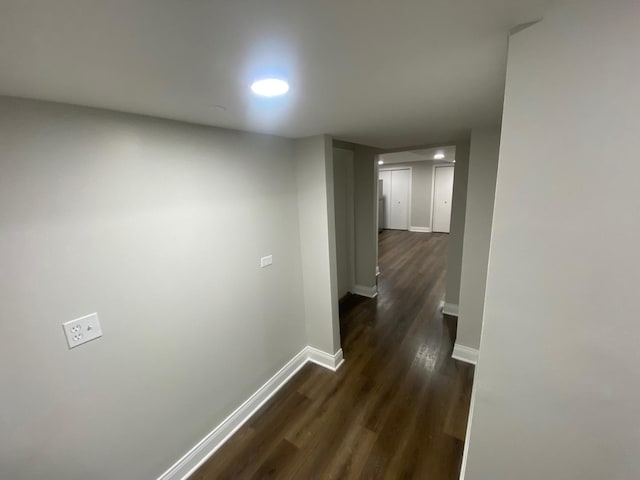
x=266 y=261
x=82 y=330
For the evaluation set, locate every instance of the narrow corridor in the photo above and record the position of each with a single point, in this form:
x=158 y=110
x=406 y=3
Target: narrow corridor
x=398 y=406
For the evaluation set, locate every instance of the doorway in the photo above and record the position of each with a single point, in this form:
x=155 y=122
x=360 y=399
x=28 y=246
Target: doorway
x=406 y=184
x=415 y=190
x=396 y=197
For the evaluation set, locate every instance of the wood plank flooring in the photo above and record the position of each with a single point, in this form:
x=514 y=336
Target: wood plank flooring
x=397 y=408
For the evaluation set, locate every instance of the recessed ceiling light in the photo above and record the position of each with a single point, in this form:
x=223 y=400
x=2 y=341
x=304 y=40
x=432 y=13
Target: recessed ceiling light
x=380 y=162
x=270 y=87
x=438 y=156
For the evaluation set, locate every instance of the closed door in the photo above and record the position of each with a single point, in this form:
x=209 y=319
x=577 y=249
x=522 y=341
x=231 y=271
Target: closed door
x=396 y=187
x=399 y=216
x=442 y=195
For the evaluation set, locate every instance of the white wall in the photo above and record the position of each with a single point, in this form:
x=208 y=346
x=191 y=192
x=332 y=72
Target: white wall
x=481 y=189
x=557 y=390
x=314 y=174
x=159 y=227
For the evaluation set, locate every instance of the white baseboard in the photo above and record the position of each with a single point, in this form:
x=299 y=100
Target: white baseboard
x=450 y=309
x=326 y=360
x=200 y=453
x=420 y=229
x=465 y=451
x=370 y=292
x=465 y=354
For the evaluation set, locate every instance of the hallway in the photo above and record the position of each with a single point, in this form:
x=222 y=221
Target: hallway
x=398 y=406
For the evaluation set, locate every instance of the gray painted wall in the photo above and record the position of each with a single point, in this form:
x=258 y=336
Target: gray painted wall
x=481 y=189
x=365 y=191
x=557 y=390
x=314 y=174
x=421 y=191
x=456 y=234
x=344 y=214
x=159 y=227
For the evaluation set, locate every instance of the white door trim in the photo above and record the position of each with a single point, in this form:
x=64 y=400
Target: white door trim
x=389 y=169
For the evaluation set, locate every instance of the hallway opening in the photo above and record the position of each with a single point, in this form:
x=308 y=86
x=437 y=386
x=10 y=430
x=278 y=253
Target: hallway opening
x=415 y=189
x=398 y=406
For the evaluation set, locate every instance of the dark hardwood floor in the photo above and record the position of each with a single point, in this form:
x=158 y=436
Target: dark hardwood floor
x=398 y=406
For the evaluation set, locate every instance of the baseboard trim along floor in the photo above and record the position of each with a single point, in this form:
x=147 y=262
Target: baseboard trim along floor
x=332 y=362
x=365 y=291
x=465 y=354
x=450 y=309
x=206 y=447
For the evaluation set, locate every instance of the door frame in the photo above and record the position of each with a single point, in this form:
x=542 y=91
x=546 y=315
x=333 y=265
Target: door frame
x=391 y=168
x=351 y=215
x=351 y=220
x=433 y=190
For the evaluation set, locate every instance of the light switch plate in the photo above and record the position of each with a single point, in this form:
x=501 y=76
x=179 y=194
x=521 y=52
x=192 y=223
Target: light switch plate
x=82 y=330
x=266 y=261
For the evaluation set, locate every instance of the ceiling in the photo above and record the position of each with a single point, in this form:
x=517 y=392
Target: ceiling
x=422 y=155
x=383 y=73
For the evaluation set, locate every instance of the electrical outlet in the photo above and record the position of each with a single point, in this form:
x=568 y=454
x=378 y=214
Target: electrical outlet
x=266 y=261
x=82 y=330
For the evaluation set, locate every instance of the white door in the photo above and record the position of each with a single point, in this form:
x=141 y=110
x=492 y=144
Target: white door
x=385 y=176
x=400 y=185
x=442 y=195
